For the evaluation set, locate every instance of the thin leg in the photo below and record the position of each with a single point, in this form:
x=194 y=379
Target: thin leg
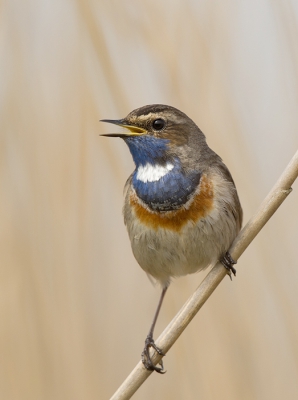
x=228 y=263
x=149 y=342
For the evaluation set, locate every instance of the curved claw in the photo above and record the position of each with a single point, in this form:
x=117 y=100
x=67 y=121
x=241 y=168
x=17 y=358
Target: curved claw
x=228 y=263
x=146 y=359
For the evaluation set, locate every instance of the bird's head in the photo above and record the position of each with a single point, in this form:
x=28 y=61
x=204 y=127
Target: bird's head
x=159 y=134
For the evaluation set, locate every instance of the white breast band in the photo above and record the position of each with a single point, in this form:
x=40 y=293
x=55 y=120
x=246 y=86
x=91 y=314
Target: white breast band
x=153 y=173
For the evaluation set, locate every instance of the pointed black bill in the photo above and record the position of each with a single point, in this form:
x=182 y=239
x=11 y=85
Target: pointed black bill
x=133 y=130
x=113 y=121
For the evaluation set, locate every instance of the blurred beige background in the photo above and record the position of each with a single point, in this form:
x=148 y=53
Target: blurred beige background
x=74 y=305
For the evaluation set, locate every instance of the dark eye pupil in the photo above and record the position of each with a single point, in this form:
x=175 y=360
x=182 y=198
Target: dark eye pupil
x=158 y=124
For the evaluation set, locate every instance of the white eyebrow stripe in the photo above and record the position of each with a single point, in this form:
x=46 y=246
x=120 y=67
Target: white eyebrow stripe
x=153 y=173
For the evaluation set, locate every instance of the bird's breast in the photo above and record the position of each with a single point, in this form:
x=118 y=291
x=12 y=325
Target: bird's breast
x=198 y=206
x=165 y=188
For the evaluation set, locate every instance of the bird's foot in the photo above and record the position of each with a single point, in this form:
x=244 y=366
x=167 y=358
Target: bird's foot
x=228 y=262
x=146 y=359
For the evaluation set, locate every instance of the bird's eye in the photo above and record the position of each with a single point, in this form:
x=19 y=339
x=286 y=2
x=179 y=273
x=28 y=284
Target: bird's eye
x=158 y=124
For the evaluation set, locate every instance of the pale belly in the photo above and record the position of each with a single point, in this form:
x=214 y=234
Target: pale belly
x=184 y=241
x=165 y=254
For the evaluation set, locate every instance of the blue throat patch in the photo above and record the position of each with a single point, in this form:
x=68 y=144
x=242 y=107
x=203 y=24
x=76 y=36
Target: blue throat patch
x=147 y=149
x=172 y=190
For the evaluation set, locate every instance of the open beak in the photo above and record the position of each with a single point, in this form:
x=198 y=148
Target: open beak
x=133 y=130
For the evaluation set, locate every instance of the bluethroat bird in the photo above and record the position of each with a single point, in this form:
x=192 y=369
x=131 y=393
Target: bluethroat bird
x=181 y=209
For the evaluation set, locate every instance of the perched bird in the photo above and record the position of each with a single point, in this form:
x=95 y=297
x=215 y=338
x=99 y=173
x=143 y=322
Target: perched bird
x=181 y=208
